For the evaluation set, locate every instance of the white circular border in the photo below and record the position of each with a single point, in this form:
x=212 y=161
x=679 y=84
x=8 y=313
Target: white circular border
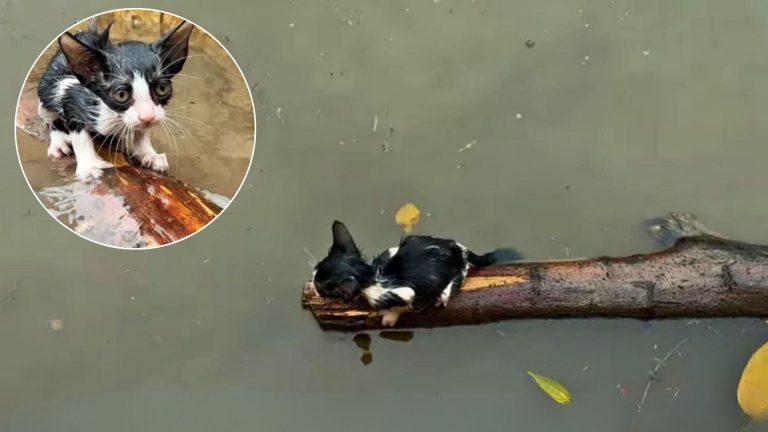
x=253 y=110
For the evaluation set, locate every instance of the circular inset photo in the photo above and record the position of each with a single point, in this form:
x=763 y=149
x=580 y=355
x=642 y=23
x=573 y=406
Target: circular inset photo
x=135 y=128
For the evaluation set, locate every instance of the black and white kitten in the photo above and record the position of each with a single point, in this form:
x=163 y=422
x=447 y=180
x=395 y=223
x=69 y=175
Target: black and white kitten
x=95 y=88
x=420 y=273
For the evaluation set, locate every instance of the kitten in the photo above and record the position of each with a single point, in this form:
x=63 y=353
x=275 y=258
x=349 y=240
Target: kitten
x=420 y=273
x=116 y=91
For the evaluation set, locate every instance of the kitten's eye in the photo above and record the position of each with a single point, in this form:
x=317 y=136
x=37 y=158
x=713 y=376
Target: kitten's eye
x=163 y=89
x=121 y=95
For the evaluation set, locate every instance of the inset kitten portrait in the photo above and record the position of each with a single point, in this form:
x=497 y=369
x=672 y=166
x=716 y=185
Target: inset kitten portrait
x=135 y=128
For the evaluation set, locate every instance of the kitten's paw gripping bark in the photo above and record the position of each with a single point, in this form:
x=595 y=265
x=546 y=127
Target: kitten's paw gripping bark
x=155 y=161
x=91 y=169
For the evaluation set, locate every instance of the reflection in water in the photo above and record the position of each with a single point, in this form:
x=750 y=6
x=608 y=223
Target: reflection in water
x=102 y=217
x=363 y=341
x=634 y=136
x=397 y=335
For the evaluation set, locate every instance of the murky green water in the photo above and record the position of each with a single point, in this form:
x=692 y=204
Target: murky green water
x=627 y=110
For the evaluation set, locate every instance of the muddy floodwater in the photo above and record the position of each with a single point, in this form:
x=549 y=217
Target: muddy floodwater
x=617 y=111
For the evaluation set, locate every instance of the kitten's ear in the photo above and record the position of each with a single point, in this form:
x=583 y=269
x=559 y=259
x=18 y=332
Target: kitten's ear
x=173 y=48
x=85 y=62
x=100 y=38
x=342 y=239
x=104 y=35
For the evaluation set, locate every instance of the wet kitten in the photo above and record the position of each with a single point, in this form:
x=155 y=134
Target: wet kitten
x=95 y=88
x=420 y=273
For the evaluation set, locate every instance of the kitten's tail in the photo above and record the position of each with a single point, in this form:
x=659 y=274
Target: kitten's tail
x=497 y=256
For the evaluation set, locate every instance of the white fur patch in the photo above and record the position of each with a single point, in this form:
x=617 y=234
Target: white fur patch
x=445 y=295
x=108 y=122
x=63 y=85
x=392 y=251
x=89 y=164
x=374 y=292
x=143 y=106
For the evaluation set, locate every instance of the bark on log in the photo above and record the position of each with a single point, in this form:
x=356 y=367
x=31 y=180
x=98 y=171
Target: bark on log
x=129 y=206
x=699 y=275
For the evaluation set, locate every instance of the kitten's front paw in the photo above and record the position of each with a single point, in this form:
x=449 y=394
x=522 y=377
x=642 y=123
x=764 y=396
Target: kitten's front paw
x=58 y=148
x=155 y=161
x=389 y=318
x=91 y=169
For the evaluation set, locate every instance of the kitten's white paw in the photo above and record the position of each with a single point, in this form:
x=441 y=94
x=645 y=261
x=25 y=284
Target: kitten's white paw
x=389 y=318
x=155 y=161
x=442 y=301
x=91 y=169
x=59 y=146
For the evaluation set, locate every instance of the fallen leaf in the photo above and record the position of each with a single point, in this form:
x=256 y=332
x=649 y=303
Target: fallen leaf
x=554 y=389
x=752 y=392
x=407 y=216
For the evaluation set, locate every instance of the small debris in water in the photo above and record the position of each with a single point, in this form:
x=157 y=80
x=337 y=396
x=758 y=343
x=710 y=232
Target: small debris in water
x=375 y=122
x=133 y=298
x=56 y=324
x=279 y=111
x=206 y=261
x=292 y=25
x=124 y=271
x=567 y=187
x=530 y=43
x=584 y=369
x=388 y=140
x=461 y=165
x=518 y=116
x=621 y=389
x=676 y=389
x=159 y=339
x=382 y=211
x=500 y=333
x=646 y=53
x=199 y=322
x=467 y=146
x=586 y=25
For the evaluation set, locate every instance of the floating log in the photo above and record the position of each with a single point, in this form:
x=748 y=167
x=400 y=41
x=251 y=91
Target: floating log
x=699 y=274
x=129 y=206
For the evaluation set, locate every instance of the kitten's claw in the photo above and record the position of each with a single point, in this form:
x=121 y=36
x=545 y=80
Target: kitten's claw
x=58 y=148
x=91 y=170
x=155 y=161
x=389 y=318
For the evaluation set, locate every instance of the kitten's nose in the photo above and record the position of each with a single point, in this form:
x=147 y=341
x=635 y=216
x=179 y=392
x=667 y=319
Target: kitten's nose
x=147 y=118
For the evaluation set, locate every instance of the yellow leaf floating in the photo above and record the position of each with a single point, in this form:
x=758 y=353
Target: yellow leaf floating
x=407 y=216
x=554 y=389
x=752 y=392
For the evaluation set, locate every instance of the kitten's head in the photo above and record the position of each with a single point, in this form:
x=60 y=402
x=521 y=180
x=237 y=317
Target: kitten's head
x=343 y=273
x=133 y=79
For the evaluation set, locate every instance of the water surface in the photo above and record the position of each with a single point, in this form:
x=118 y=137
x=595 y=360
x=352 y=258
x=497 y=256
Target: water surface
x=620 y=112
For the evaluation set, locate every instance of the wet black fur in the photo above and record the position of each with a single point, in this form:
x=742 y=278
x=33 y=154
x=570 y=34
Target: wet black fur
x=425 y=264
x=100 y=66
